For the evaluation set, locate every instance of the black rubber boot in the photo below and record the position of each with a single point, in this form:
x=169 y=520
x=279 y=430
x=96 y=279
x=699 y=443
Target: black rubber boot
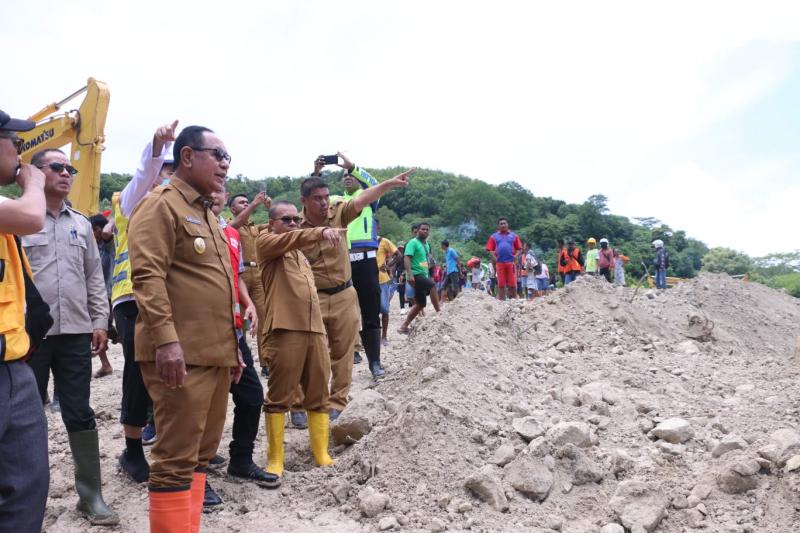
x=372 y=347
x=86 y=456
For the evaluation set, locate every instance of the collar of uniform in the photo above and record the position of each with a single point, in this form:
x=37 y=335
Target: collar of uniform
x=327 y=222
x=187 y=191
x=61 y=210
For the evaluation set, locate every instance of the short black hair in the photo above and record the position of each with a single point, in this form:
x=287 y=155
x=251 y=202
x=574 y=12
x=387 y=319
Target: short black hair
x=420 y=224
x=274 y=209
x=39 y=156
x=310 y=185
x=499 y=220
x=189 y=136
x=234 y=197
x=415 y=226
x=98 y=221
x=446 y=243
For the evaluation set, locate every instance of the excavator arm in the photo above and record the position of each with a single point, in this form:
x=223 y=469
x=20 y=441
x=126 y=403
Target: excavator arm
x=84 y=130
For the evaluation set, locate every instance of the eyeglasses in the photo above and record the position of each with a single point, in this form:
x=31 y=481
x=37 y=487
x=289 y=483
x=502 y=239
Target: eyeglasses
x=288 y=219
x=59 y=167
x=219 y=153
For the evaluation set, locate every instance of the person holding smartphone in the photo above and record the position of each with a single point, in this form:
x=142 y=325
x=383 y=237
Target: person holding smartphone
x=24 y=469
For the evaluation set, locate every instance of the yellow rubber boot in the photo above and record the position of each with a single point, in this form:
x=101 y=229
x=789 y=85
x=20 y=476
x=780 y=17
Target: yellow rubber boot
x=274 y=424
x=318 y=432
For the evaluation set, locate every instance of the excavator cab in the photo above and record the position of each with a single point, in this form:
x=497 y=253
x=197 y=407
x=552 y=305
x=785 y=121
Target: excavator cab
x=84 y=130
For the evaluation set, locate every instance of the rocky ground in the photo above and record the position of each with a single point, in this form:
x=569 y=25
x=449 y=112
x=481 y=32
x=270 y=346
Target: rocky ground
x=595 y=409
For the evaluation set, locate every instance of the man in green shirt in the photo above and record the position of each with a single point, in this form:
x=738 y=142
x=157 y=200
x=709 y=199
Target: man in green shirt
x=416 y=266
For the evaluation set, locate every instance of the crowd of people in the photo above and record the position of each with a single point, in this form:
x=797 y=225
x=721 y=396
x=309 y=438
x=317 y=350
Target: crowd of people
x=181 y=289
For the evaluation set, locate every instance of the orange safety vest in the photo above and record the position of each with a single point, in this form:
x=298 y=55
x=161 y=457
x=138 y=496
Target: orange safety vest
x=572 y=260
x=14 y=341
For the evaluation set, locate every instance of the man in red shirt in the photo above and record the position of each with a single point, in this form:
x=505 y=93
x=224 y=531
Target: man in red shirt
x=505 y=247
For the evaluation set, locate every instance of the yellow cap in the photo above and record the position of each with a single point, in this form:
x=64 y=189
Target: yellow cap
x=591 y=241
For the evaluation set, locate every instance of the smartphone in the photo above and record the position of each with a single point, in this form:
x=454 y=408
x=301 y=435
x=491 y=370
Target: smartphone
x=331 y=159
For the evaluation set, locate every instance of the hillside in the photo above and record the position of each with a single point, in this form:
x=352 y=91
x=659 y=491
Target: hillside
x=465 y=211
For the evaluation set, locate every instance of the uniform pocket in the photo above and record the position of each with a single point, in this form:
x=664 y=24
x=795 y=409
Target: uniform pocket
x=197 y=245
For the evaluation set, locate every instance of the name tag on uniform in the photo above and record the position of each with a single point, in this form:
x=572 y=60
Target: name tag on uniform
x=193 y=220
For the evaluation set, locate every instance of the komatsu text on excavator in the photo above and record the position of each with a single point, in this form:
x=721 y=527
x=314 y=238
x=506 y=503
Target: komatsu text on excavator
x=83 y=129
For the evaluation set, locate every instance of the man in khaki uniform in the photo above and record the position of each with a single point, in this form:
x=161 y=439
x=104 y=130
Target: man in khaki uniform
x=248 y=231
x=331 y=266
x=296 y=345
x=186 y=346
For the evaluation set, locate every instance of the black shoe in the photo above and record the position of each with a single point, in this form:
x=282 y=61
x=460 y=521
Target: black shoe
x=136 y=468
x=255 y=473
x=356 y=358
x=211 y=498
x=377 y=370
x=265 y=371
x=216 y=462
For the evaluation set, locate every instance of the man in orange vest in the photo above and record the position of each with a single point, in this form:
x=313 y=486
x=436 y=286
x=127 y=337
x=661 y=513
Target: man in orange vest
x=24 y=470
x=571 y=260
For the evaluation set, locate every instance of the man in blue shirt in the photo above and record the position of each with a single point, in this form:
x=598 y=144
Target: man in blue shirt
x=453 y=263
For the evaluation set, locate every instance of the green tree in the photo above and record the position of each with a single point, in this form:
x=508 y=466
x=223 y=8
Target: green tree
x=728 y=261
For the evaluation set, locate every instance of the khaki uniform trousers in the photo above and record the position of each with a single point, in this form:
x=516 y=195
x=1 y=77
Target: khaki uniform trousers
x=190 y=420
x=252 y=279
x=297 y=359
x=342 y=319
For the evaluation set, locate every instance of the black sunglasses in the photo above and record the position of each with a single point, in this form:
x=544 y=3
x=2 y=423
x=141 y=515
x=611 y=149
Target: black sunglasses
x=288 y=219
x=219 y=154
x=59 y=167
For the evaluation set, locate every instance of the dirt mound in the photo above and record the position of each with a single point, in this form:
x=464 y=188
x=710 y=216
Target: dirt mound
x=506 y=415
x=665 y=411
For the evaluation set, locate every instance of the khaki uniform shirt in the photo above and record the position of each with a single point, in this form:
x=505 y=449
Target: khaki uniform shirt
x=247 y=236
x=67 y=271
x=291 y=296
x=331 y=265
x=182 y=277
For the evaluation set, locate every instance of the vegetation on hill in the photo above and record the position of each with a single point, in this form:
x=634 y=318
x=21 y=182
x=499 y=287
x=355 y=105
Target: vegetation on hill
x=465 y=211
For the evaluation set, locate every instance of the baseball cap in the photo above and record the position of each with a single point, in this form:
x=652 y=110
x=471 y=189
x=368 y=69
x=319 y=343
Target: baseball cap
x=15 y=124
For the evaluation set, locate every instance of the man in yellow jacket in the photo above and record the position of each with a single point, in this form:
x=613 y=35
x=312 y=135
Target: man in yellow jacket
x=24 y=470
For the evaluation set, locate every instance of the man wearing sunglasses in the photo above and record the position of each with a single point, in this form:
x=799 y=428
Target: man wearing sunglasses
x=69 y=275
x=296 y=346
x=24 y=469
x=185 y=340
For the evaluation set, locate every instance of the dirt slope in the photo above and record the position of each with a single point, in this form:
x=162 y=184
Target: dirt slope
x=512 y=416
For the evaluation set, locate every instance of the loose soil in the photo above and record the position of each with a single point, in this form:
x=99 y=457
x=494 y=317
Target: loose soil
x=714 y=351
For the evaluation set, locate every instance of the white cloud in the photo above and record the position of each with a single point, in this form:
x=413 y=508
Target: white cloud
x=570 y=99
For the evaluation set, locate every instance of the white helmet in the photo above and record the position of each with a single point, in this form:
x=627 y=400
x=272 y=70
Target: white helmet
x=603 y=241
x=658 y=243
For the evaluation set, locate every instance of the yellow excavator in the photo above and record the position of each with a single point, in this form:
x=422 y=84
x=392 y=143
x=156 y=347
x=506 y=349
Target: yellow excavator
x=84 y=130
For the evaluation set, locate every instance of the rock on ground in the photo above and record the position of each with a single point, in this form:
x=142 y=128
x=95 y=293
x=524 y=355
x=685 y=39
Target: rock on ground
x=371 y=502
x=528 y=427
x=577 y=433
x=738 y=475
x=637 y=503
x=485 y=485
x=530 y=476
x=728 y=444
x=673 y=430
x=357 y=419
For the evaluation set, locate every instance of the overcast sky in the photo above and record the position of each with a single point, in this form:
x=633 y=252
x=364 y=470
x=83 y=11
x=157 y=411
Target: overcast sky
x=685 y=111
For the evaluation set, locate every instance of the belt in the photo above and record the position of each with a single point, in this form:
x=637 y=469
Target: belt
x=339 y=288
x=360 y=256
x=250 y=264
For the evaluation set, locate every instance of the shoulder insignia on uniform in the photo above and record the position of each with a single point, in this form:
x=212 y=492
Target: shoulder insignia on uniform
x=193 y=220
x=78 y=213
